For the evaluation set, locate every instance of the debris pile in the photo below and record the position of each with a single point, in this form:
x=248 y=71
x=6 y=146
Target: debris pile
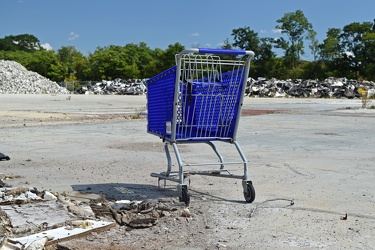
x=329 y=88
x=262 y=87
x=29 y=216
x=144 y=214
x=116 y=87
x=16 y=79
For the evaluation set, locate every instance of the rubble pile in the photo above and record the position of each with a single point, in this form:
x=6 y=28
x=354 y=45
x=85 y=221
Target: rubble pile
x=146 y=213
x=28 y=215
x=262 y=87
x=16 y=79
x=116 y=87
x=329 y=88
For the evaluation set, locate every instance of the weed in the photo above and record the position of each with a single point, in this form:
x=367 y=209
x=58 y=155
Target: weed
x=139 y=114
x=364 y=97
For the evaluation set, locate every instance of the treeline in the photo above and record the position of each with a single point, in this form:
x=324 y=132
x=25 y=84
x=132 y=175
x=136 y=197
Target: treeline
x=345 y=52
x=132 y=61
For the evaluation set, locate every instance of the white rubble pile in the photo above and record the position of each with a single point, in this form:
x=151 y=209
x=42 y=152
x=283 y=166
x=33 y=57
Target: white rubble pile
x=306 y=88
x=116 y=87
x=16 y=79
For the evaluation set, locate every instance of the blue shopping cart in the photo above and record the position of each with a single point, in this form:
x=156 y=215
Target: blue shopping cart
x=199 y=101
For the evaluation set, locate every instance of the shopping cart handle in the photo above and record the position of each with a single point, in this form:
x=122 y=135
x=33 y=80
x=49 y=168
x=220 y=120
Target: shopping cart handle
x=217 y=51
x=222 y=51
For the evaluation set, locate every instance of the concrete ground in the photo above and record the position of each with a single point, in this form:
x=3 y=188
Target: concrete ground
x=311 y=162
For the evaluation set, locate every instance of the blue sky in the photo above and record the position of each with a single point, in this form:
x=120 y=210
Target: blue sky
x=87 y=24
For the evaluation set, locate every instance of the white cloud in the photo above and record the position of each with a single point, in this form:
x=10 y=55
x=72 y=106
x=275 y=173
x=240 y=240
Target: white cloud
x=46 y=46
x=263 y=31
x=277 y=31
x=73 y=36
x=195 y=34
x=348 y=54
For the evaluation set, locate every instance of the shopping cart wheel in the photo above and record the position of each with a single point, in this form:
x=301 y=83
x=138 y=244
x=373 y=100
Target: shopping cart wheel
x=185 y=197
x=249 y=193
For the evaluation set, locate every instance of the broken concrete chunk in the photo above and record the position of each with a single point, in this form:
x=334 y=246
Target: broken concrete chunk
x=35 y=214
x=81 y=210
x=61 y=233
x=49 y=196
x=142 y=222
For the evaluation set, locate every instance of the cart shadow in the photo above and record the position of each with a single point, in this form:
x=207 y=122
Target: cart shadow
x=126 y=191
x=195 y=194
x=130 y=191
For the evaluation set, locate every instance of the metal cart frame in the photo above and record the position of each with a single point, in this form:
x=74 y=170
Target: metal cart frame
x=199 y=101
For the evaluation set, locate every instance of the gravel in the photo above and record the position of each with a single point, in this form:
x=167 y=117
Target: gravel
x=16 y=79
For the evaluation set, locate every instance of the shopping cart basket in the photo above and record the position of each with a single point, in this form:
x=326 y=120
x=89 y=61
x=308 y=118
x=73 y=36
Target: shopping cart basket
x=199 y=101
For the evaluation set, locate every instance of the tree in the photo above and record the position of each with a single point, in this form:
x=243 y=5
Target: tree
x=297 y=28
x=44 y=62
x=369 y=41
x=314 y=44
x=167 y=57
x=73 y=62
x=107 y=63
x=138 y=55
x=331 y=54
x=24 y=42
x=330 y=48
x=226 y=44
x=154 y=64
x=350 y=51
x=47 y=64
x=266 y=59
x=356 y=39
x=246 y=39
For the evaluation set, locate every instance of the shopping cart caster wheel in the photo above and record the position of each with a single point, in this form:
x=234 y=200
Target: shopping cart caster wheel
x=249 y=193
x=185 y=197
